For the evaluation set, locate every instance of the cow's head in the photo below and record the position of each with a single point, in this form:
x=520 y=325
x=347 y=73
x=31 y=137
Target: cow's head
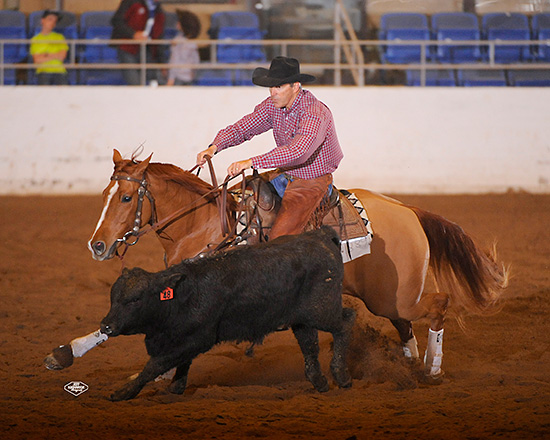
x=140 y=300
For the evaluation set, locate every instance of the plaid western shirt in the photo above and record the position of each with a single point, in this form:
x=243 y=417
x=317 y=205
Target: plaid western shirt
x=307 y=145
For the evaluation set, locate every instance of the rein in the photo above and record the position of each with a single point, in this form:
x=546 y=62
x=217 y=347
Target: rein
x=155 y=225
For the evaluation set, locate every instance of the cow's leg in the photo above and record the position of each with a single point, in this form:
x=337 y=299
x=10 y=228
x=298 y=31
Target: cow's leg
x=153 y=368
x=179 y=382
x=309 y=344
x=408 y=340
x=63 y=356
x=338 y=365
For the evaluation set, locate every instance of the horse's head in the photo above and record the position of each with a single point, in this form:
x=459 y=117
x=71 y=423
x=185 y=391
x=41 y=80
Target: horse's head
x=123 y=208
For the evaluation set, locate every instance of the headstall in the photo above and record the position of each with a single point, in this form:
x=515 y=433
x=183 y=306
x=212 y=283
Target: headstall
x=142 y=193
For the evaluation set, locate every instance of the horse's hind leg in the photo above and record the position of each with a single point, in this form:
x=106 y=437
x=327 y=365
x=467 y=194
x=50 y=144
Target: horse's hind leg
x=408 y=340
x=308 y=340
x=338 y=365
x=435 y=308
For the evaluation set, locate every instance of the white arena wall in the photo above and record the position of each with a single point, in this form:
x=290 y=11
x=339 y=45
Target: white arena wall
x=59 y=140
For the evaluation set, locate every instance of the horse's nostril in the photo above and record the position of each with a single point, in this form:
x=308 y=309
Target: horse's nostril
x=99 y=247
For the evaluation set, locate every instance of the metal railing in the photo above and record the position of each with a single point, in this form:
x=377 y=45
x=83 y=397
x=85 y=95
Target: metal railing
x=353 y=59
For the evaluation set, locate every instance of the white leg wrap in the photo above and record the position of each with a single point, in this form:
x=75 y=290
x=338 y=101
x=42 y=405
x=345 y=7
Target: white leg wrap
x=434 y=353
x=410 y=349
x=81 y=346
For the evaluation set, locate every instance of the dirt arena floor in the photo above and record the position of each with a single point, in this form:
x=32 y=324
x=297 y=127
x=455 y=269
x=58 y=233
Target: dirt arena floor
x=497 y=382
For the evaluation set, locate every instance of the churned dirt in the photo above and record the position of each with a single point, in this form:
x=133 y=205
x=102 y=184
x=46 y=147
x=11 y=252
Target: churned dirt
x=497 y=382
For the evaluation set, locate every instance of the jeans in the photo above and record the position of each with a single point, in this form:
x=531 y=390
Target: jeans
x=133 y=76
x=52 y=79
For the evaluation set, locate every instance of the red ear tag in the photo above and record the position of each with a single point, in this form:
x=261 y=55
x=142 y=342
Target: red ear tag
x=167 y=293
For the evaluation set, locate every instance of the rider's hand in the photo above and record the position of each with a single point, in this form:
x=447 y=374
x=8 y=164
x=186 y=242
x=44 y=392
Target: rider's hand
x=236 y=167
x=210 y=151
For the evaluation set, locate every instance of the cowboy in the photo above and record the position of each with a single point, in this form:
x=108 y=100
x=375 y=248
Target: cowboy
x=307 y=151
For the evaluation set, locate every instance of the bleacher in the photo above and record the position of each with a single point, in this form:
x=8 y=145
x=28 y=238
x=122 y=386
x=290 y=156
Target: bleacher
x=480 y=40
x=454 y=48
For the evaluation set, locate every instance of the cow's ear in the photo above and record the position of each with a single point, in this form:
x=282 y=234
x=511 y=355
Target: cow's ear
x=175 y=279
x=172 y=283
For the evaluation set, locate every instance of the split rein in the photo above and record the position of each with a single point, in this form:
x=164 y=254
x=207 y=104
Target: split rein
x=131 y=237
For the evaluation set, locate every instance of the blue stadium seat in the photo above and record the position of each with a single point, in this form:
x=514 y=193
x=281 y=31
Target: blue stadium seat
x=400 y=26
x=101 y=77
x=529 y=78
x=96 y=25
x=508 y=26
x=170 y=25
x=481 y=78
x=456 y=26
x=444 y=78
x=240 y=53
x=214 y=78
x=9 y=77
x=540 y=25
x=94 y=19
x=243 y=78
x=13 y=27
x=223 y=19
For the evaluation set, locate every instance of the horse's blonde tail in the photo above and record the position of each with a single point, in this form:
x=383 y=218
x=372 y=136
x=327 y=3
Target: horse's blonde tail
x=472 y=278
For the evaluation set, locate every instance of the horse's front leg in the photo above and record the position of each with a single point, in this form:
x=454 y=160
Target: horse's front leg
x=63 y=356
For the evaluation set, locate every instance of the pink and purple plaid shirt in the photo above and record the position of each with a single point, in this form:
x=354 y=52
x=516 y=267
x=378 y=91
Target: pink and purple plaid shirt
x=307 y=145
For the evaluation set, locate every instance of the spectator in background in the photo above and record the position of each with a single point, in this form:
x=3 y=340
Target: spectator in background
x=139 y=20
x=49 y=49
x=184 y=51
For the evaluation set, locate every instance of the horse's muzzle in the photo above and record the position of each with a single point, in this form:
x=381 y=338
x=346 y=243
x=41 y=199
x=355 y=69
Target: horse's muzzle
x=100 y=252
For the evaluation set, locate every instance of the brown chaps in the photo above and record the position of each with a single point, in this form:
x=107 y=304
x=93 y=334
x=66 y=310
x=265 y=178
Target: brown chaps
x=301 y=199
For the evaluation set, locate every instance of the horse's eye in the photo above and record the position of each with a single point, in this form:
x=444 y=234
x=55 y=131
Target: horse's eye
x=126 y=199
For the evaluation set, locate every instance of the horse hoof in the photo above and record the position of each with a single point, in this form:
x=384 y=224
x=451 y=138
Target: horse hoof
x=60 y=358
x=434 y=379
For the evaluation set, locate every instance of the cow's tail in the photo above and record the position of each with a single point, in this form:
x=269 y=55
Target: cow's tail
x=471 y=277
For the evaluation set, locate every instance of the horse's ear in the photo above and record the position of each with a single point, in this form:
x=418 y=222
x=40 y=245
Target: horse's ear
x=117 y=157
x=142 y=166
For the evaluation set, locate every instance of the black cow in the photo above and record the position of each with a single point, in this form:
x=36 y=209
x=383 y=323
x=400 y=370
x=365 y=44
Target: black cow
x=240 y=295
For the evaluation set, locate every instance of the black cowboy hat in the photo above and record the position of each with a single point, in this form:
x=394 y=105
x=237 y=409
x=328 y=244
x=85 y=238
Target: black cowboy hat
x=283 y=70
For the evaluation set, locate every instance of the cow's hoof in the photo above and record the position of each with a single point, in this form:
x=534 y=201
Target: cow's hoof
x=125 y=393
x=343 y=379
x=321 y=384
x=60 y=358
x=177 y=387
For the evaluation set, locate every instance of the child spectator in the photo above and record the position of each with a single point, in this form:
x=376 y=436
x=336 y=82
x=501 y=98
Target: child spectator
x=184 y=51
x=49 y=49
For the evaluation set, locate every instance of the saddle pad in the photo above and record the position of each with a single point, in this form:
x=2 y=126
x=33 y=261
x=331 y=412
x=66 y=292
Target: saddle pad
x=355 y=228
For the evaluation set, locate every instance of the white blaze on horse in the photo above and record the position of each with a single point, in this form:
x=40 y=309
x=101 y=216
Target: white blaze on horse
x=407 y=242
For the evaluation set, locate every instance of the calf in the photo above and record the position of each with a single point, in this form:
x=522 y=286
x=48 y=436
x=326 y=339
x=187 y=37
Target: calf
x=241 y=295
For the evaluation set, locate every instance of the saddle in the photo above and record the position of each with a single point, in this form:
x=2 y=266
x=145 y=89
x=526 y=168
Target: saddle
x=260 y=205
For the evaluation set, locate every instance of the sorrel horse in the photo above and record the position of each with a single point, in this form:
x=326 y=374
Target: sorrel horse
x=390 y=280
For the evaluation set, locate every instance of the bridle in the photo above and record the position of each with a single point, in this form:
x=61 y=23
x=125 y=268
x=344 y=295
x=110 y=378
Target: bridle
x=133 y=234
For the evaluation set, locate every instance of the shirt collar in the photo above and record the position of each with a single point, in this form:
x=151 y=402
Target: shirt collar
x=296 y=102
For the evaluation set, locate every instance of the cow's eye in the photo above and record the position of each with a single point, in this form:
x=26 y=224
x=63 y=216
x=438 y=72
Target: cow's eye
x=126 y=199
x=133 y=300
